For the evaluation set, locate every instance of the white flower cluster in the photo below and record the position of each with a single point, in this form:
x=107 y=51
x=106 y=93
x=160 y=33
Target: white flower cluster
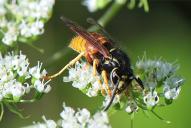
x=157 y=73
x=23 y=19
x=17 y=79
x=80 y=119
x=81 y=76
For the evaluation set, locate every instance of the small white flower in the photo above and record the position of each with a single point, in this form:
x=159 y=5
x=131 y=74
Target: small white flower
x=37 y=28
x=41 y=86
x=108 y=98
x=93 y=90
x=99 y=120
x=83 y=116
x=82 y=77
x=131 y=107
x=171 y=93
x=49 y=123
x=45 y=124
x=91 y=5
x=17 y=90
x=151 y=98
x=68 y=118
x=172 y=87
x=67 y=112
x=94 y=5
x=36 y=71
x=27 y=87
x=2 y=8
x=11 y=34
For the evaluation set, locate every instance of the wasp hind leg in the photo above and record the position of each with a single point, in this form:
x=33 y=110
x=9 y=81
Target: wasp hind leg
x=95 y=64
x=72 y=62
x=104 y=75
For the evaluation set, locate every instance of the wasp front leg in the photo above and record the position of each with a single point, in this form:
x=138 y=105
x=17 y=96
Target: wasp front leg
x=95 y=64
x=72 y=62
x=104 y=75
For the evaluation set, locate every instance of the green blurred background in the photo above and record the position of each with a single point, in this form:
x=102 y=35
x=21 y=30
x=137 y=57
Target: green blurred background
x=163 y=32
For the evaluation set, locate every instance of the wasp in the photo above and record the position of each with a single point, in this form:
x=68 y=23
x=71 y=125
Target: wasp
x=111 y=63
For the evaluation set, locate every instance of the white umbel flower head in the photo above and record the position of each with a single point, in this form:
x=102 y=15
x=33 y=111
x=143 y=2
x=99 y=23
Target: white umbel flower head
x=159 y=74
x=76 y=119
x=26 y=19
x=15 y=77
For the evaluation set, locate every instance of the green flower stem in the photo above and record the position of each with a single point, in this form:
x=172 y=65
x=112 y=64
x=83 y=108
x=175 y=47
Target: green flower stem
x=36 y=48
x=132 y=118
x=2 y=111
x=28 y=101
x=108 y=16
x=160 y=118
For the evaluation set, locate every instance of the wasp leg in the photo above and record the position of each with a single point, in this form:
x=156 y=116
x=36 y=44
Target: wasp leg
x=104 y=75
x=72 y=62
x=139 y=81
x=95 y=64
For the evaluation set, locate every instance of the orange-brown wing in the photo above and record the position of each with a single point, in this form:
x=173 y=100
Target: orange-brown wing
x=87 y=36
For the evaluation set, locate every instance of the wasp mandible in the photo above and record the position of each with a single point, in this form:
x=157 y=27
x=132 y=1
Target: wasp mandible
x=108 y=61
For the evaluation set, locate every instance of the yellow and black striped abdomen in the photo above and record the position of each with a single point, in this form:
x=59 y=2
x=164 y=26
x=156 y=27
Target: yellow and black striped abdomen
x=78 y=44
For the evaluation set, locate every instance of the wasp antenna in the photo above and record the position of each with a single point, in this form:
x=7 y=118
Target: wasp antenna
x=67 y=21
x=112 y=98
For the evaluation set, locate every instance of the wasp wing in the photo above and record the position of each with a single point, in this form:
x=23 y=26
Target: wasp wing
x=86 y=35
x=100 y=27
